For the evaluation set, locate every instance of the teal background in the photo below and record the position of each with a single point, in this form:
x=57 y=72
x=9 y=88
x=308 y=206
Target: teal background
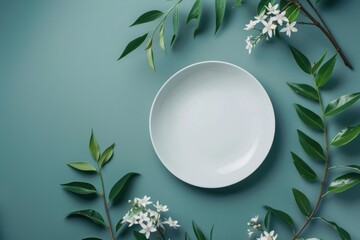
x=59 y=79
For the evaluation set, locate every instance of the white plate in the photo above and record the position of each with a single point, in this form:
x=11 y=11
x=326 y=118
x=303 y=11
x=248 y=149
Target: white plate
x=212 y=124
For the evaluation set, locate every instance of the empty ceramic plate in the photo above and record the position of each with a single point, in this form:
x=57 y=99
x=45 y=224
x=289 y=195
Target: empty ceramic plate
x=212 y=124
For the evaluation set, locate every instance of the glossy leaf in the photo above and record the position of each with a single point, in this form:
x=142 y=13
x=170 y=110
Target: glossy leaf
x=148 y=17
x=343 y=234
x=82 y=166
x=134 y=44
x=344 y=182
x=262 y=5
x=302 y=201
x=92 y=238
x=120 y=186
x=302 y=61
x=310 y=146
x=345 y=136
x=292 y=13
x=318 y=63
x=220 y=7
x=267 y=219
x=303 y=168
x=107 y=155
x=150 y=58
x=195 y=13
x=282 y=216
x=212 y=232
x=139 y=236
x=94 y=147
x=81 y=188
x=198 y=233
x=89 y=214
x=118 y=225
x=283 y=4
x=305 y=91
x=351 y=167
x=238 y=3
x=309 y=117
x=325 y=72
x=340 y=104
x=175 y=24
x=187 y=236
x=161 y=37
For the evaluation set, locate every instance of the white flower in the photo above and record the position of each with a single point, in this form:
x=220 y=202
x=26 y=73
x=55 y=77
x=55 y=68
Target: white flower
x=269 y=27
x=143 y=202
x=261 y=17
x=125 y=218
x=147 y=229
x=272 y=9
x=280 y=18
x=153 y=214
x=160 y=207
x=251 y=25
x=250 y=232
x=255 y=219
x=289 y=28
x=172 y=223
x=249 y=45
x=141 y=217
x=268 y=236
x=132 y=221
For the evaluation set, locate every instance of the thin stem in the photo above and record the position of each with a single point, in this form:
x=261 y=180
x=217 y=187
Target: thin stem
x=162 y=235
x=327 y=33
x=326 y=169
x=109 y=226
x=305 y=23
x=318 y=14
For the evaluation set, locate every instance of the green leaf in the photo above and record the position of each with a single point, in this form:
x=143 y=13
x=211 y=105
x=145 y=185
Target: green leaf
x=118 y=225
x=161 y=37
x=82 y=166
x=150 y=58
x=134 y=44
x=212 y=232
x=310 y=146
x=345 y=136
x=220 y=7
x=94 y=147
x=340 y=104
x=187 y=236
x=195 y=13
x=304 y=170
x=309 y=117
x=237 y=4
x=351 y=167
x=282 y=216
x=343 y=234
x=81 y=188
x=283 y=4
x=292 y=12
x=89 y=214
x=148 y=17
x=344 y=182
x=318 y=63
x=325 y=72
x=262 y=5
x=139 y=236
x=91 y=238
x=304 y=90
x=119 y=187
x=267 y=219
x=107 y=155
x=302 y=61
x=175 y=24
x=198 y=233
x=302 y=201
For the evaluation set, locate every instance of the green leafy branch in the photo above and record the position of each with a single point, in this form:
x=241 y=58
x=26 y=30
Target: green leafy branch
x=86 y=189
x=159 y=29
x=320 y=74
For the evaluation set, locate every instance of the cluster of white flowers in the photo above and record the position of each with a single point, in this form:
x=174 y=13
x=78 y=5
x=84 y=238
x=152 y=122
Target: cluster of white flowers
x=149 y=220
x=255 y=226
x=271 y=18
